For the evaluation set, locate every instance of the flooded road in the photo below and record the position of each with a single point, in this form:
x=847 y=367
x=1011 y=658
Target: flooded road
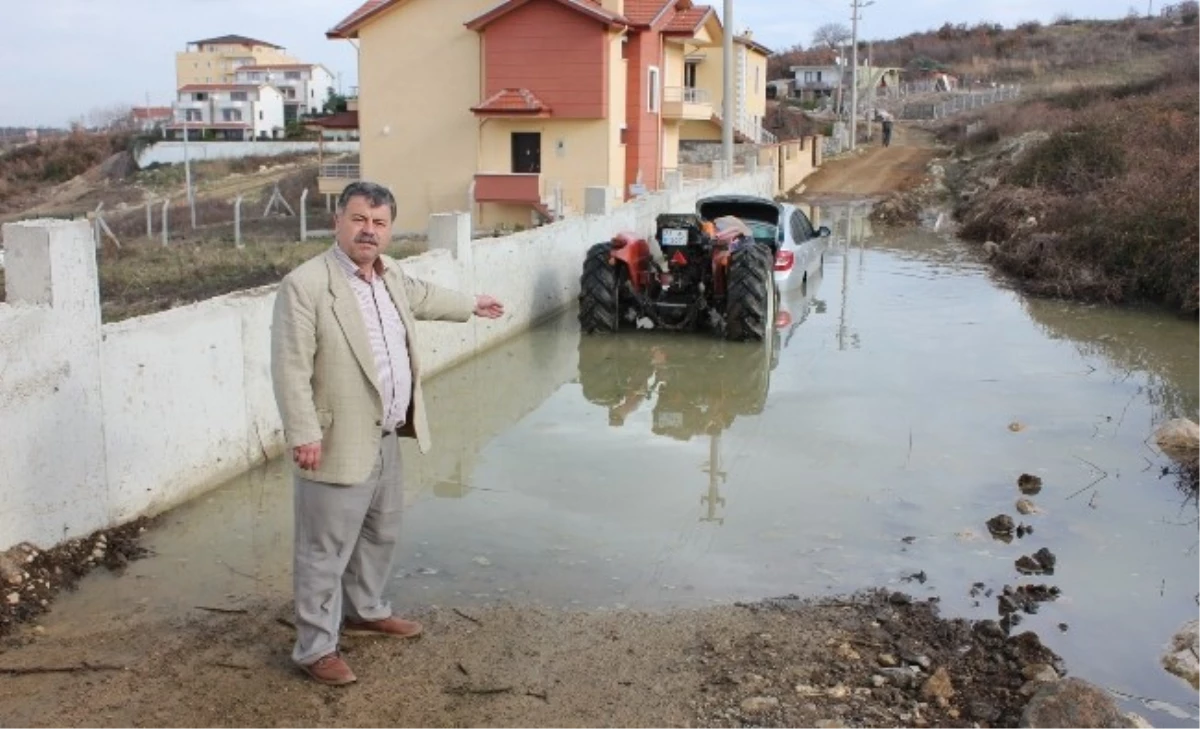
x=904 y=394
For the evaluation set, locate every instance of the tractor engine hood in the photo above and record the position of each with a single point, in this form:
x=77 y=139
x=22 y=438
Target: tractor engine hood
x=745 y=207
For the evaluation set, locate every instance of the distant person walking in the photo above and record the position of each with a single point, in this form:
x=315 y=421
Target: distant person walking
x=887 y=132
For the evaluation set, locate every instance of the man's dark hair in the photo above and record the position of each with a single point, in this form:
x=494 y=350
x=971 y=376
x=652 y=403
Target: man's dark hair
x=373 y=192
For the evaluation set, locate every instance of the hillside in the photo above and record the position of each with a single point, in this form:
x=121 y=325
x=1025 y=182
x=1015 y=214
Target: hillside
x=1089 y=193
x=1032 y=52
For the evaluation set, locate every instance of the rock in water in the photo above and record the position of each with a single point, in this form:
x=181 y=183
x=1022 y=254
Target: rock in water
x=1029 y=484
x=1181 y=657
x=1072 y=703
x=1001 y=525
x=1180 y=440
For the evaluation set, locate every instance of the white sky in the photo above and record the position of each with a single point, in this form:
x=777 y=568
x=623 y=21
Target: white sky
x=67 y=57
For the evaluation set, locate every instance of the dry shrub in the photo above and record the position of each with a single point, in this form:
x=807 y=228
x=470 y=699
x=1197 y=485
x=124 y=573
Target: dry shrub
x=999 y=214
x=1113 y=190
x=1071 y=161
x=26 y=169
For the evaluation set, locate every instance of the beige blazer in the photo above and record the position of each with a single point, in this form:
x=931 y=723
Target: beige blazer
x=325 y=381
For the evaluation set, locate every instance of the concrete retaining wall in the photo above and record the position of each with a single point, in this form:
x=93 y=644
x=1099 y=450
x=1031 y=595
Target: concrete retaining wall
x=105 y=423
x=172 y=152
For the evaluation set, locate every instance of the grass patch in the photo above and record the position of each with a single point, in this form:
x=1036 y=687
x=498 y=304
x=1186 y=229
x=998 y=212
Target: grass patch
x=145 y=278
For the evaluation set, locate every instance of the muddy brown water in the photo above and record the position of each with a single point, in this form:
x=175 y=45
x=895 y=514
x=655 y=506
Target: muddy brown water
x=905 y=392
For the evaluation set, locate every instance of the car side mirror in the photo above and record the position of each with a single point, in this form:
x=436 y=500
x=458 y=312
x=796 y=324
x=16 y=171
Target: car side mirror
x=824 y=231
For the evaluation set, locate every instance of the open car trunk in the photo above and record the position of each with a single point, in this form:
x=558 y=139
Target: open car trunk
x=760 y=214
x=747 y=208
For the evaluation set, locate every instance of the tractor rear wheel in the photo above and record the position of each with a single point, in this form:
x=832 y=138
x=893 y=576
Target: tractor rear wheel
x=750 y=299
x=599 y=291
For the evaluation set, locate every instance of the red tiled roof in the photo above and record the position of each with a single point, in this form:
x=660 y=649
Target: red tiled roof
x=587 y=7
x=645 y=12
x=690 y=20
x=218 y=87
x=815 y=57
x=340 y=120
x=349 y=24
x=151 y=112
x=512 y=101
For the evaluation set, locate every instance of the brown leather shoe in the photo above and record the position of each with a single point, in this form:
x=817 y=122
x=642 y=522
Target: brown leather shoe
x=393 y=626
x=330 y=670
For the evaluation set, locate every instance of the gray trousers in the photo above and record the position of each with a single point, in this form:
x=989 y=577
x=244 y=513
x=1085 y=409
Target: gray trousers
x=345 y=543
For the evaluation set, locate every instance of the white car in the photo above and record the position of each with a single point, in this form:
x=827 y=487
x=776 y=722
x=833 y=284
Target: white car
x=799 y=249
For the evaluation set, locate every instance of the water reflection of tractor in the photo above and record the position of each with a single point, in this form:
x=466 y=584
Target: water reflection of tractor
x=693 y=387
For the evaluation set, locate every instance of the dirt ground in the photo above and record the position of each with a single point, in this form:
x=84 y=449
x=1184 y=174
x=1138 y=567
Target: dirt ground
x=873 y=170
x=779 y=663
x=873 y=659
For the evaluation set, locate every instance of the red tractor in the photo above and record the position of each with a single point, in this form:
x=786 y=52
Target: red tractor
x=693 y=275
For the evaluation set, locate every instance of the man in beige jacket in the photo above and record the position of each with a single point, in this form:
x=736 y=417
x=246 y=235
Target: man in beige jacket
x=347 y=380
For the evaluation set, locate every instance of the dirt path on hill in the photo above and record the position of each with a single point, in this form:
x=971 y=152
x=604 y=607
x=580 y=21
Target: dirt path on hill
x=873 y=170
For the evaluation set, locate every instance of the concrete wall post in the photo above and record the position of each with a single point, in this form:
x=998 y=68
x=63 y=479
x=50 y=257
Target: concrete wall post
x=53 y=480
x=452 y=232
x=597 y=201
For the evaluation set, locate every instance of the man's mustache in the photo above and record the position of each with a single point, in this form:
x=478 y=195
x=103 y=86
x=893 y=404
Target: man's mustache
x=366 y=239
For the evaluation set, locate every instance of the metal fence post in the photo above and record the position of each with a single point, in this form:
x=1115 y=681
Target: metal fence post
x=303 y=216
x=237 y=221
x=96 y=229
x=165 y=235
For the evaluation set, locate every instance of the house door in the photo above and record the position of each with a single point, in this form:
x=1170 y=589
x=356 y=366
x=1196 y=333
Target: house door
x=527 y=152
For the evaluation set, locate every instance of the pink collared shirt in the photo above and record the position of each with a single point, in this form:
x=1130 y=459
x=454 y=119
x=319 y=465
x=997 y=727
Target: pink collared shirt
x=387 y=335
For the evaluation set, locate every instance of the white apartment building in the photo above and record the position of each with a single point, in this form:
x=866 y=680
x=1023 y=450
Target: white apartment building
x=228 y=112
x=305 y=86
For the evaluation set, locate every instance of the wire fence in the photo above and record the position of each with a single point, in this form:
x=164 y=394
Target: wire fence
x=167 y=221
x=959 y=102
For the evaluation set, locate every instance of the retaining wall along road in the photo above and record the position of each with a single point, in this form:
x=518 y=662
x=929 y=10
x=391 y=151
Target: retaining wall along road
x=104 y=423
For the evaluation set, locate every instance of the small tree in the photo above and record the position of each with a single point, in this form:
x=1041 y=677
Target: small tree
x=1189 y=12
x=334 y=102
x=831 y=35
x=779 y=65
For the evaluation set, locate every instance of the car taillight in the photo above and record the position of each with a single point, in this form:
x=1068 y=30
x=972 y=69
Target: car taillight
x=784 y=260
x=783 y=320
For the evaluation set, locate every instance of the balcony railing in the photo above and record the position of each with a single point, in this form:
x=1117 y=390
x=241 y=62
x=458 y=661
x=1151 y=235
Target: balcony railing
x=681 y=102
x=341 y=171
x=686 y=95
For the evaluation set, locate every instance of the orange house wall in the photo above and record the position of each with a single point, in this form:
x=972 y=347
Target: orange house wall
x=558 y=54
x=643 y=137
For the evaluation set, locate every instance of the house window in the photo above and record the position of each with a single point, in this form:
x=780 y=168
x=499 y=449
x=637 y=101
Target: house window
x=624 y=134
x=292 y=75
x=260 y=116
x=808 y=77
x=818 y=77
x=527 y=152
x=625 y=47
x=653 y=88
x=231 y=115
x=757 y=78
x=194 y=115
x=689 y=75
x=237 y=95
x=200 y=96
